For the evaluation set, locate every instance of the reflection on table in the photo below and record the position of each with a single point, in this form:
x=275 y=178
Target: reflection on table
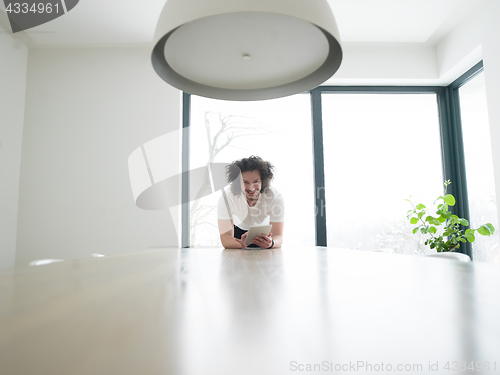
x=214 y=311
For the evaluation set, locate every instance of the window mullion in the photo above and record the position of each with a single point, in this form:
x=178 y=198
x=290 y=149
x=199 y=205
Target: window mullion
x=453 y=154
x=319 y=168
x=186 y=121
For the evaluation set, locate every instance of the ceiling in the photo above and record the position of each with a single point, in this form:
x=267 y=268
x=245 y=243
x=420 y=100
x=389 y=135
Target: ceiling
x=133 y=22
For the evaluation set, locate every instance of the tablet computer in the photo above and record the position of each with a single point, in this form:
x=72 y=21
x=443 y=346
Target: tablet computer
x=257 y=230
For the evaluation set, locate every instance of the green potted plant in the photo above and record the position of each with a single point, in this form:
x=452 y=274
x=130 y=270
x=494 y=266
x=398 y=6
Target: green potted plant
x=444 y=230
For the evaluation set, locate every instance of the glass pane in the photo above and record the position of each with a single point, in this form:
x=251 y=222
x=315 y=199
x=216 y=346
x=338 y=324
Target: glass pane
x=278 y=131
x=479 y=167
x=379 y=150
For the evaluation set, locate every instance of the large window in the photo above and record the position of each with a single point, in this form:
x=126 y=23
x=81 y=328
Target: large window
x=379 y=150
x=479 y=166
x=345 y=175
x=276 y=130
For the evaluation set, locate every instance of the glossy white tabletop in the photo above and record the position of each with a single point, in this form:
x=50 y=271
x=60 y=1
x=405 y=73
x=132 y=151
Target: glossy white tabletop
x=214 y=311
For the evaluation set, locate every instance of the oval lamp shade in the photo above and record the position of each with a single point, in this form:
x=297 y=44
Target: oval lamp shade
x=246 y=49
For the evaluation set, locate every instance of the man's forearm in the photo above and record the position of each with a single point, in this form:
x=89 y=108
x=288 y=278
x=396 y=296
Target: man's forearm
x=278 y=240
x=230 y=242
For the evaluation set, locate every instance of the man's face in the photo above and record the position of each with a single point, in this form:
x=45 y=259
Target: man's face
x=251 y=184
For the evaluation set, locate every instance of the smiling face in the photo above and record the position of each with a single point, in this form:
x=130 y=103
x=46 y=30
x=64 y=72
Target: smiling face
x=252 y=185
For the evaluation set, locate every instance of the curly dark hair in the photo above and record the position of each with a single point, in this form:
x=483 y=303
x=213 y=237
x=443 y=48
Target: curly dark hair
x=252 y=163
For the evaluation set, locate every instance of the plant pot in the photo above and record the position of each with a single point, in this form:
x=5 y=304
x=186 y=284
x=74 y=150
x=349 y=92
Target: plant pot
x=451 y=255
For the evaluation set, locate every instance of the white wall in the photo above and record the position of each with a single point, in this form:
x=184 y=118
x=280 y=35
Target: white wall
x=387 y=64
x=86 y=111
x=13 y=66
x=480 y=33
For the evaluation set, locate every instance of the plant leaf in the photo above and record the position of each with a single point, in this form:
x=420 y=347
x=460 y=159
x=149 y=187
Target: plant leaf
x=447 y=232
x=420 y=206
x=491 y=227
x=414 y=220
x=485 y=229
x=464 y=222
x=469 y=235
x=449 y=199
x=432 y=220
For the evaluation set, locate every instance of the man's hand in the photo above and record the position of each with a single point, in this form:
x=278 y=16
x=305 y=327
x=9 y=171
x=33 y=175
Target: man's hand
x=264 y=241
x=242 y=241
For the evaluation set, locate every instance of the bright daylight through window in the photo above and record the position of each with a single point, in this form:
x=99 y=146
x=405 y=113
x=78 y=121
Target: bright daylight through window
x=381 y=146
x=479 y=166
x=379 y=150
x=277 y=130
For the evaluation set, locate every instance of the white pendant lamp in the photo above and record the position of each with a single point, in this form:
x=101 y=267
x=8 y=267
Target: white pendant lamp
x=246 y=49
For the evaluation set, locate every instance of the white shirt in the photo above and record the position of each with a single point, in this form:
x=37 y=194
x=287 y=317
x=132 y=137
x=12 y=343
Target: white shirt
x=270 y=208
